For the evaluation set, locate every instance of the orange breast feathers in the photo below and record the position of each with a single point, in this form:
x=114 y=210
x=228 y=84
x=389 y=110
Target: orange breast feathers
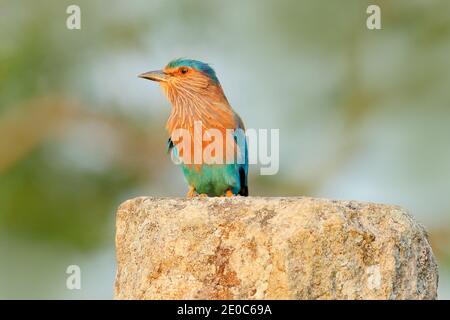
x=202 y=123
x=204 y=135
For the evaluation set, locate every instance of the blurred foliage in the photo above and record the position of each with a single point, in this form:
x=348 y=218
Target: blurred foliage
x=40 y=198
x=362 y=114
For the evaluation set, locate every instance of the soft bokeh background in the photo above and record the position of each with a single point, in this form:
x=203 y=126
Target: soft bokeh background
x=362 y=115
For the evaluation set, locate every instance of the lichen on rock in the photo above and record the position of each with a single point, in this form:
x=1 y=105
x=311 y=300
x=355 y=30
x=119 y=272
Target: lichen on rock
x=270 y=248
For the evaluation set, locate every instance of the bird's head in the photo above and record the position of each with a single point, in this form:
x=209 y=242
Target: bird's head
x=186 y=78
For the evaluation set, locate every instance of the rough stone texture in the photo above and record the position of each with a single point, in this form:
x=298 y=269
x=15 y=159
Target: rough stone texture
x=270 y=248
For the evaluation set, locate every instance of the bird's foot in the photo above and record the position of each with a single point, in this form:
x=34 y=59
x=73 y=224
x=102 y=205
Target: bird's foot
x=191 y=192
x=229 y=194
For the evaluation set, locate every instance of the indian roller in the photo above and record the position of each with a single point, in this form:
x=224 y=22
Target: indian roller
x=198 y=101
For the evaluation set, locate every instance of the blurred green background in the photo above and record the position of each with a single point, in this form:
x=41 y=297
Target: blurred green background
x=362 y=115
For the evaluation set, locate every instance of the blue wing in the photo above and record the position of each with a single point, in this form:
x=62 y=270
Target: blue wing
x=242 y=158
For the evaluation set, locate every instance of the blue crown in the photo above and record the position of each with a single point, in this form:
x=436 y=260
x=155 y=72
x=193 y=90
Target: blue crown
x=194 y=64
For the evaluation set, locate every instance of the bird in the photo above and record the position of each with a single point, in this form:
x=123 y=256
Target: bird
x=198 y=101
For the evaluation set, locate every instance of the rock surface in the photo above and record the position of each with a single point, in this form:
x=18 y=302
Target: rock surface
x=270 y=248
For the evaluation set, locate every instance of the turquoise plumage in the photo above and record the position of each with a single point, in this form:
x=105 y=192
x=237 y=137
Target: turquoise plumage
x=215 y=180
x=196 y=96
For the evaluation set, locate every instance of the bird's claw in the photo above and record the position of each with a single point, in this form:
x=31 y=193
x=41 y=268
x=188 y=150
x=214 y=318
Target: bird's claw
x=192 y=193
x=229 y=194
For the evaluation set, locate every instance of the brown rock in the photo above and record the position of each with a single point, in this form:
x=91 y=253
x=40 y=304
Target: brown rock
x=270 y=248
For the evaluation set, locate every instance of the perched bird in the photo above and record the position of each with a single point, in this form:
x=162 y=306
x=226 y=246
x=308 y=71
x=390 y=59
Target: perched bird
x=198 y=100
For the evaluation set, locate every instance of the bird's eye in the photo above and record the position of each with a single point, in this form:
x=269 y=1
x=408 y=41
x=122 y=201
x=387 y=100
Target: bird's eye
x=184 y=70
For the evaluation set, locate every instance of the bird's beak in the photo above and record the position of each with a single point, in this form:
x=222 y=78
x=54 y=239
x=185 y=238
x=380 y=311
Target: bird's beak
x=157 y=75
